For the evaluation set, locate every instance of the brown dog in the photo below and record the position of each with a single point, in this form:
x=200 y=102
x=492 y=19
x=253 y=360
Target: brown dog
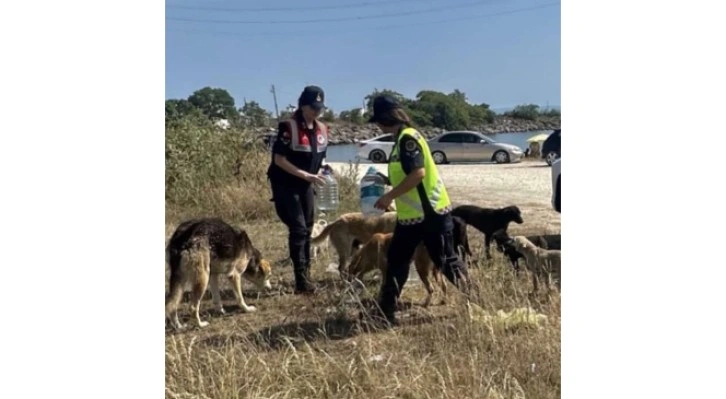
x=199 y=251
x=540 y=262
x=373 y=254
x=350 y=227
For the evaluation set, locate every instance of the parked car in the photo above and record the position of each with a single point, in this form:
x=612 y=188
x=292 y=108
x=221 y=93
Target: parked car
x=377 y=149
x=556 y=185
x=469 y=146
x=551 y=147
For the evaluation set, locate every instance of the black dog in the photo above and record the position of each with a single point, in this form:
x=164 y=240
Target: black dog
x=488 y=220
x=504 y=244
x=461 y=239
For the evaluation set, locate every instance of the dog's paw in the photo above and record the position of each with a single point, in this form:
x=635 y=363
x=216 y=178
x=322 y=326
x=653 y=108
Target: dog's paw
x=249 y=309
x=203 y=324
x=220 y=310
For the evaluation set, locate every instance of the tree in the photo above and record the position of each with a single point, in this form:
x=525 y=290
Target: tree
x=458 y=96
x=446 y=111
x=355 y=115
x=328 y=115
x=526 y=111
x=254 y=115
x=215 y=103
x=385 y=92
x=178 y=109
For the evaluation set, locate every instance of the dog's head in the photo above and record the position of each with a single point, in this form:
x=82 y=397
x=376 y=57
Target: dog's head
x=367 y=258
x=522 y=244
x=514 y=214
x=259 y=271
x=502 y=239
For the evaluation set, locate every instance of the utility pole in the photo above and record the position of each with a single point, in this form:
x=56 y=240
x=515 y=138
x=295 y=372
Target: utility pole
x=274 y=97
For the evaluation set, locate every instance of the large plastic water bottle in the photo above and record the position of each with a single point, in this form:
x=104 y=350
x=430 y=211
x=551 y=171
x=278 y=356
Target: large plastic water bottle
x=328 y=193
x=372 y=187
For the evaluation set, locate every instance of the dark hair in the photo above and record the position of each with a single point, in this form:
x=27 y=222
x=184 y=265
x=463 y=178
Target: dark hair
x=395 y=116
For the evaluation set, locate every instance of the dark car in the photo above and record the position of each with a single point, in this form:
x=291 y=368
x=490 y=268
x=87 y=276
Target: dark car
x=551 y=147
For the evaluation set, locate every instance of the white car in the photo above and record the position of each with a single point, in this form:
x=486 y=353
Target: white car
x=556 y=185
x=377 y=149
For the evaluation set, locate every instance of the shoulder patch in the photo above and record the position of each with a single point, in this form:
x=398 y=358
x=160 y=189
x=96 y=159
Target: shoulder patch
x=285 y=137
x=411 y=145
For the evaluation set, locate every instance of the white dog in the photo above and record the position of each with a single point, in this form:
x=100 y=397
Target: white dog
x=316 y=248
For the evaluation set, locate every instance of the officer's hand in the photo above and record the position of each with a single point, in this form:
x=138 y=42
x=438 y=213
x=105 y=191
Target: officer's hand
x=384 y=202
x=315 y=179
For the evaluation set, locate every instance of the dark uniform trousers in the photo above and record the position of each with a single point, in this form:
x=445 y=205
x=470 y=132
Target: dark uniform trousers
x=296 y=207
x=436 y=233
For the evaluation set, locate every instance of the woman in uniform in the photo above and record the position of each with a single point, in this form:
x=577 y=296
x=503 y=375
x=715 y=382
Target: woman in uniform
x=297 y=157
x=423 y=207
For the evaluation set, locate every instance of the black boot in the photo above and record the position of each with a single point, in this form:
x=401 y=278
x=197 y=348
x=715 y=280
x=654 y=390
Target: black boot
x=382 y=315
x=303 y=284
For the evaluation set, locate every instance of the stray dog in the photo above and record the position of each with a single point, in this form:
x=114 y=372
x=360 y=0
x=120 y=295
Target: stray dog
x=317 y=229
x=373 y=254
x=350 y=227
x=488 y=220
x=541 y=262
x=504 y=245
x=461 y=239
x=202 y=249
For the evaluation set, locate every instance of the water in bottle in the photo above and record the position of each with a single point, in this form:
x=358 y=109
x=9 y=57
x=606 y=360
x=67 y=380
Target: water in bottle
x=372 y=187
x=328 y=193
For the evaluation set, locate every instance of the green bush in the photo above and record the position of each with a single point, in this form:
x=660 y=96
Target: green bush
x=223 y=173
x=528 y=111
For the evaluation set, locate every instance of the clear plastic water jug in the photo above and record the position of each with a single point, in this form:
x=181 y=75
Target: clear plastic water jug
x=328 y=193
x=372 y=187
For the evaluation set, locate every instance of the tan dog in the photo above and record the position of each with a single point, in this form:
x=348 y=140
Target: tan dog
x=373 y=254
x=354 y=226
x=202 y=249
x=540 y=262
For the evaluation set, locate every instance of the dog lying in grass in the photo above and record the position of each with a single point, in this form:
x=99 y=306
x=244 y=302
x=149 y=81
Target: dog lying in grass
x=540 y=262
x=373 y=255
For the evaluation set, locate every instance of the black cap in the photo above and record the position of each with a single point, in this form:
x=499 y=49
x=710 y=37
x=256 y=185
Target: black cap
x=314 y=97
x=381 y=106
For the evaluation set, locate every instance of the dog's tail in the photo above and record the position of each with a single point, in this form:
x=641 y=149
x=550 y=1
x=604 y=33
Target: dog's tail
x=323 y=234
x=195 y=259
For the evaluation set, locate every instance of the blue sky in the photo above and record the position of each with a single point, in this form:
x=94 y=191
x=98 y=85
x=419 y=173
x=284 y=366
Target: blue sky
x=502 y=52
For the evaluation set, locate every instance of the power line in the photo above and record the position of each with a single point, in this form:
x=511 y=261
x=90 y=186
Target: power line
x=359 y=18
x=317 y=32
x=306 y=8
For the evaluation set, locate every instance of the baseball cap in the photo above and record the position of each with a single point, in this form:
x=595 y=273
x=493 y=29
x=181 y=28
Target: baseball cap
x=381 y=106
x=314 y=97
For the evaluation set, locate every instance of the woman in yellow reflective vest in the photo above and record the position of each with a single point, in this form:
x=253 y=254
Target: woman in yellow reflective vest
x=423 y=207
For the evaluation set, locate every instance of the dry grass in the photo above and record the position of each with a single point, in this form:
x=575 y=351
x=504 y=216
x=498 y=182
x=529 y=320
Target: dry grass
x=300 y=347
x=313 y=348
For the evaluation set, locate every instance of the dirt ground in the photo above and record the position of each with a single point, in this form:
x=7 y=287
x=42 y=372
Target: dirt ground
x=525 y=184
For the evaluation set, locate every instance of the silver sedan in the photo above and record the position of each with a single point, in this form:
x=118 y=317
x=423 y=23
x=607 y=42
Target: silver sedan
x=468 y=146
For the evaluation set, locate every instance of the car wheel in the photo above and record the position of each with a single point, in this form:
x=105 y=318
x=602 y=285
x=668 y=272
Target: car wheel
x=377 y=156
x=501 y=157
x=551 y=156
x=439 y=157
